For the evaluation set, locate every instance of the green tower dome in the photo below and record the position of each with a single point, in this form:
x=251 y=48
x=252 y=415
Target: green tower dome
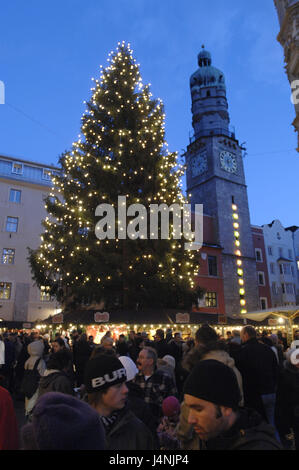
x=206 y=75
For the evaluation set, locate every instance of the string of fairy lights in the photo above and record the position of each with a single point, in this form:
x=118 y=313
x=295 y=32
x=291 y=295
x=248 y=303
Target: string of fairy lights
x=239 y=261
x=104 y=151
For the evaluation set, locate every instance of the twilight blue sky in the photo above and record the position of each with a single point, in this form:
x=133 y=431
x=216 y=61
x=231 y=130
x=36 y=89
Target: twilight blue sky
x=50 y=50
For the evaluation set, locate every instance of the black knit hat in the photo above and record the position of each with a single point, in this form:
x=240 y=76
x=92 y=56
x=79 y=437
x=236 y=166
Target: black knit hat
x=215 y=382
x=102 y=372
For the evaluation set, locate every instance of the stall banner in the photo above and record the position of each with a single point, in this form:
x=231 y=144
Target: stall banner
x=27 y=326
x=272 y=321
x=57 y=318
x=182 y=318
x=101 y=317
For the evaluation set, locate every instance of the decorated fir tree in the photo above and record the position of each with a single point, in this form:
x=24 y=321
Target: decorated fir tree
x=121 y=152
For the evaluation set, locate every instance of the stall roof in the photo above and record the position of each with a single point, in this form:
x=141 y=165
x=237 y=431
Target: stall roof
x=289 y=312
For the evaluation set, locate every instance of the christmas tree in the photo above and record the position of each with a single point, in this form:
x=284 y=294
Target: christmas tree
x=121 y=152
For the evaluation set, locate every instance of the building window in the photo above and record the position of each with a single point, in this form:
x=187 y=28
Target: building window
x=12 y=224
x=270 y=251
x=17 y=168
x=264 y=303
x=272 y=268
x=274 y=290
x=44 y=294
x=47 y=174
x=15 y=196
x=211 y=299
x=289 y=288
x=5 y=290
x=280 y=250
x=290 y=254
x=212 y=261
x=280 y=269
x=8 y=256
x=293 y=271
x=261 y=278
x=258 y=254
x=278 y=236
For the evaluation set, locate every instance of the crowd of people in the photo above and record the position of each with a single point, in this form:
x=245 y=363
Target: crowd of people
x=240 y=392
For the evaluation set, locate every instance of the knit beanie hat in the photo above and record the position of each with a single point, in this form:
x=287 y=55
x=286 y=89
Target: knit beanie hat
x=102 y=372
x=130 y=366
x=170 y=406
x=63 y=422
x=215 y=382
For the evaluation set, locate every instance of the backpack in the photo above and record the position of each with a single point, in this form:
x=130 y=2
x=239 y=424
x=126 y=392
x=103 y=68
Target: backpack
x=30 y=381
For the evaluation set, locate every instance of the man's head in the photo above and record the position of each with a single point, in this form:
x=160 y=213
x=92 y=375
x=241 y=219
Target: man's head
x=177 y=337
x=121 y=338
x=58 y=344
x=212 y=394
x=159 y=336
x=104 y=379
x=147 y=360
x=205 y=335
x=60 y=360
x=107 y=342
x=247 y=333
x=90 y=339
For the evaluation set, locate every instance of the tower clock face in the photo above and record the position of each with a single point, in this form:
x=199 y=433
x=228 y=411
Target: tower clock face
x=228 y=162
x=199 y=164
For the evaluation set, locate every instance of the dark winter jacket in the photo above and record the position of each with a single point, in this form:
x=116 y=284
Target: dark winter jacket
x=249 y=432
x=161 y=347
x=55 y=381
x=129 y=433
x=259 y=368
x=142 y=410
x=287 y=398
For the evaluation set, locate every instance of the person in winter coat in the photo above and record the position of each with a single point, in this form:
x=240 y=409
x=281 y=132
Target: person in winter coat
x=212 y=394
x=35 y=351
x=9 y=439
x=259 y=368
x=104 y=380
x=81 y=354
x=160 y=344
x=287 y=398
x=55 y=378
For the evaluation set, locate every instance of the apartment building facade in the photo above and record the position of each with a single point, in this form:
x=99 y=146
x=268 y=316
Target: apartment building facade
x=23 y=188
x=282 y=264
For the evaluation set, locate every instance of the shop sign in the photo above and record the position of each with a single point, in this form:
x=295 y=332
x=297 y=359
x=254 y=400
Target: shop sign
x=101 y=317
x=182 y=318
x=57 y=318
x=272 y=321
x=27 y=326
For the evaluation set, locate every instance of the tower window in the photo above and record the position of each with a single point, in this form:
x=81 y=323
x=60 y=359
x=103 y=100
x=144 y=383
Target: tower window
x=208 y=93
x=212 y=262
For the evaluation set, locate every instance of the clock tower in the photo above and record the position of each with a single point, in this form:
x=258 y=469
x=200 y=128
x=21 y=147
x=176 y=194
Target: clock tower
x=215 y=178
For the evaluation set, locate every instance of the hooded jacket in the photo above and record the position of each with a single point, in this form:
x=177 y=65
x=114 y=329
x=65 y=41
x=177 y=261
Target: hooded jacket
x=129 y=433
x=55 y=381
x=249 y=432
x=35 y=350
